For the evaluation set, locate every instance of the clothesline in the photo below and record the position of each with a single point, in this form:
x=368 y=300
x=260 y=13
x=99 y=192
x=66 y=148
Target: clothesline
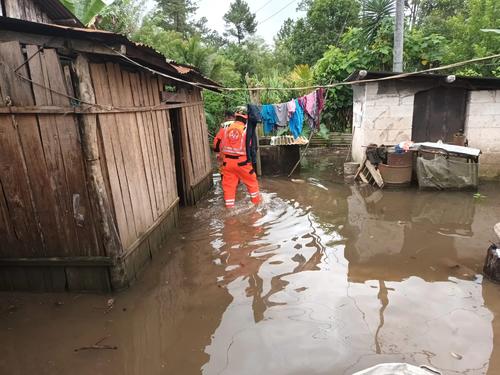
x=290 y=114
x=312 y=87
x=232 y=89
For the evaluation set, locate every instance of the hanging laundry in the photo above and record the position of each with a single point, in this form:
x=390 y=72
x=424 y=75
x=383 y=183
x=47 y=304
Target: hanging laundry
x=296 y=118
x=313 y=104
x=282 y=114
x=254 y=117
x=302 y=102
x=269 y=118
x=291 y=106
x=254 y=113
x=320 y=94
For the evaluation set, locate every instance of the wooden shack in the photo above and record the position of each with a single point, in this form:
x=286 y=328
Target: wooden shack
x=100 y=141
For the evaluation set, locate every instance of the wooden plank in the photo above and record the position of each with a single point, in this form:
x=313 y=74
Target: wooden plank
x=153 y=97
x=170 y=145
x=205 y=141
x=151 y=145
x=95 y=165
x=92 y=261
x=109 y=84
x=112 y=151
x=195 y=139
x=17 y=192
x=169 y=163
x=57 y=191
x=141 y=124
x=375 y=174
x=7 y=234
x=88 y=279
x=186 y=146
x=74 y=168
x=137 y=179
x=150 y=138
x=29 y=154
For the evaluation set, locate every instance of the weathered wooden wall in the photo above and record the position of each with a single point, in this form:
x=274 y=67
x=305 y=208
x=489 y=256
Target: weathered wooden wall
x=26 y=10
x=196 y=151
x=137 y=149
x=51 y=219
x=45 y=209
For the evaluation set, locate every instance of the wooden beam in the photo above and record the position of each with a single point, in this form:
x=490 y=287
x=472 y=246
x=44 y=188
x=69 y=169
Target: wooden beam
x=144 y=236
x=107 y=227
x=57 y=262
x=59 y=42
x=58 y=110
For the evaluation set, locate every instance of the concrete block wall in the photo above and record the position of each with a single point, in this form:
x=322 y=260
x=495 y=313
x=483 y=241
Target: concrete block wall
x=482 y=128
x=380 y=117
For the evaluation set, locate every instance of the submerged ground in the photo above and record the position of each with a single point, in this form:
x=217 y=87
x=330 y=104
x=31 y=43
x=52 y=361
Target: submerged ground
x=324 y=278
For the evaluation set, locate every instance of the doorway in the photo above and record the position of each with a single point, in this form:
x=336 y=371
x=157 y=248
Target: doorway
x=438 y=114
x=175 y=122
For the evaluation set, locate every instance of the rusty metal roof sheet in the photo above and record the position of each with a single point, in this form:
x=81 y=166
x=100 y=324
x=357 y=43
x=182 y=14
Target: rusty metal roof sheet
x=58 y=12
x=140 y=53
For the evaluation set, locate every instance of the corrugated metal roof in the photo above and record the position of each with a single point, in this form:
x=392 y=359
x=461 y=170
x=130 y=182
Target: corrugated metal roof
x=479 y=83
x=140 y=53
x=58 y=12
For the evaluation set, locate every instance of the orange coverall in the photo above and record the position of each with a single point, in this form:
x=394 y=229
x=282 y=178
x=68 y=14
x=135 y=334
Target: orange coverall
x=231 y=143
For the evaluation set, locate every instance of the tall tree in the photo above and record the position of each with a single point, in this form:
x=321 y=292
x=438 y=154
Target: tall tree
x=175 y=15
x=240 y=22
x=325 y=22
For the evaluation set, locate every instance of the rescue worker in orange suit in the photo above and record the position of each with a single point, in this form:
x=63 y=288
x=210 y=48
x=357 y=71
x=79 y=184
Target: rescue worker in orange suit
x=231 y=143
x=228 y=120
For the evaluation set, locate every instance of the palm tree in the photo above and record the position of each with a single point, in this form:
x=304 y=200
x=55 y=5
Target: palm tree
x=375 y=12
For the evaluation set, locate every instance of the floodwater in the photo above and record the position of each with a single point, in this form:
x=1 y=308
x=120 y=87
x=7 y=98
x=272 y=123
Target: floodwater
x=323 y=278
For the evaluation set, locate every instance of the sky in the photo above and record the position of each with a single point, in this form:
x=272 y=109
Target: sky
x=270 y=14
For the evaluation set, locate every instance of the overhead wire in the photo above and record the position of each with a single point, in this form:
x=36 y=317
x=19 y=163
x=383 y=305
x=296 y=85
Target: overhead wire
x=312 y=87
x=263 y=6
x=220 y=90
x=279 y=11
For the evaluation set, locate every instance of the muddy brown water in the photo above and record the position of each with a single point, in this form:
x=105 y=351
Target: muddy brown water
x=323 y=278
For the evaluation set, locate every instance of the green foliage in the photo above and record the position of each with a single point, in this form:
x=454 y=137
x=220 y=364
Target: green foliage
x=308 y=38
x=335 y=66
x=121 y=17
x=85 y=10
x=302 y=76
x=423 y=51
x=332 y=40
x=375 y=12
x=174 y=15
x=240 y=22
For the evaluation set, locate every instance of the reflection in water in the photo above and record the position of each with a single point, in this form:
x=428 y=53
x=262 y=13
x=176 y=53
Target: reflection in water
x=324 y=278
x=383 y=296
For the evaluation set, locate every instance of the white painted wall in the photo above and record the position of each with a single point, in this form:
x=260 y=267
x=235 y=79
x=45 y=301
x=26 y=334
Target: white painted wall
x=482 y=128
x=380 y=118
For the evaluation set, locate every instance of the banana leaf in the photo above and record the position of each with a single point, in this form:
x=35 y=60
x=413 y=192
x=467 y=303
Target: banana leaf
x=85 y=10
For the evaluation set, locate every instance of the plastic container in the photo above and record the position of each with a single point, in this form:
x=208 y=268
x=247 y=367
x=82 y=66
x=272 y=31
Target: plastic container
x=405 y=159
x=396 y=175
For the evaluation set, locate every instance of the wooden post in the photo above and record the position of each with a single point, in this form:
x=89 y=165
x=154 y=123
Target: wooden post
x=255 y=99
x=88 y=129
x=491 y=267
